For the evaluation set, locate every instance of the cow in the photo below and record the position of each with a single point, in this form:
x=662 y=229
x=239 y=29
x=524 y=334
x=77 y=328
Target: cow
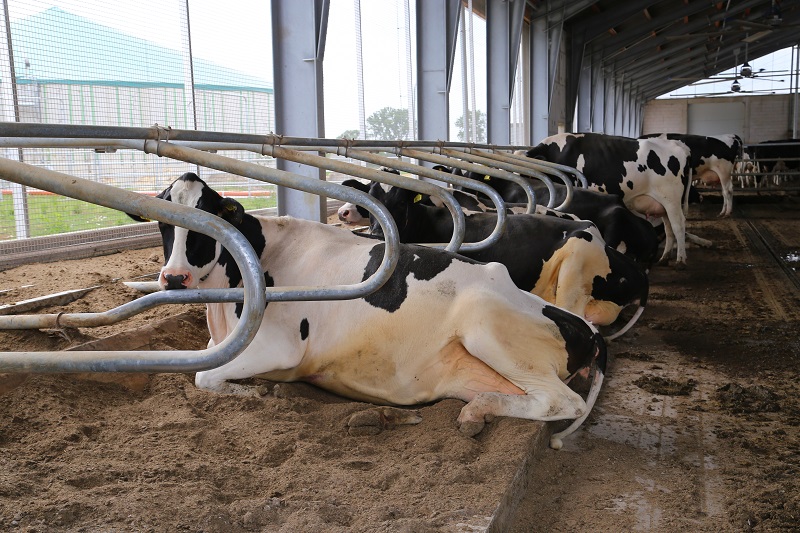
x=711 y=160
x=649 y=175
x=561 y=260
x=621 y=229
x=747 y=168
x=768 y=153
x=351 y=213
x=777 y=157
x=503 y=351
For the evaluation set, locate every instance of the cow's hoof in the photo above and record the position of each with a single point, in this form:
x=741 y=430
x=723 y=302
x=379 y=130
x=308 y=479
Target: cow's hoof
x=663 y=262
x=680 y=266
x=373 y=421
x=471 y=428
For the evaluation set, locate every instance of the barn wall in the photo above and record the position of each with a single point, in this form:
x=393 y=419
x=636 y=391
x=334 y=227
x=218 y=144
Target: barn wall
x=666 y=116
x=766 y=117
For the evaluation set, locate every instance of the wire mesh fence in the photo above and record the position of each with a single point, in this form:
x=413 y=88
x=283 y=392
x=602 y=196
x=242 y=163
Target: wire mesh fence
x=138 y=64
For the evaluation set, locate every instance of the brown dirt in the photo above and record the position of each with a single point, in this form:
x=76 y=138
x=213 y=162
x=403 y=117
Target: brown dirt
x=696 y=428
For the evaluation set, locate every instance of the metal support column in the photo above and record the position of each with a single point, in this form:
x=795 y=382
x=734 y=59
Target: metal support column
x=540 y=85
x=503 y=33
x=584 y=118
x=610 y=93
x=437 y=26
x=298 y=48
x=598 y=100
x=9 y=102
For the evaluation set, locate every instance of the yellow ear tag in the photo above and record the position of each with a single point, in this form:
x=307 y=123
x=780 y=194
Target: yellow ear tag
x=487 y=178
x=418 y=198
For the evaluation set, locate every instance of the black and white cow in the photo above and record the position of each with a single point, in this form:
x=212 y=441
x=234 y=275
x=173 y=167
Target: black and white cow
x=504 y=351
x=777 y=157
x=649 y=175
x=351 y=213
x=561 y=260
x=711 y=159
x=620 y=228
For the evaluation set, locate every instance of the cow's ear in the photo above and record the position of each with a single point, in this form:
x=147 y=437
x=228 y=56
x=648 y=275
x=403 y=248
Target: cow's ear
x=231 y=210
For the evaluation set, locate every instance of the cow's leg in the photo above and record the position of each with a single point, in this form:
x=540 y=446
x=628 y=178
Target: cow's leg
x=669 y=242
x=547 y=399
x=699 y=241
x=676 y=223
x=727 y=196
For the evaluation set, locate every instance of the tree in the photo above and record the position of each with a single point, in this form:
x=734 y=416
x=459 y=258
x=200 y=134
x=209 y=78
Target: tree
x=389 y=123
x=350 y=134
x=480 y=120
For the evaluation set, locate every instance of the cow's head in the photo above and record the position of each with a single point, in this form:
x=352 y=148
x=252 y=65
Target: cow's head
x=189 y=256
x=401 y=204
x=350 y=212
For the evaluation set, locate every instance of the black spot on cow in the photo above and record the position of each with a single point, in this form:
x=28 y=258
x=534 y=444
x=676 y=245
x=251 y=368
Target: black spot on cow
x=581 y=342
x=423 y=263
x=630 y=184
x=654 y=162
x=642 y=168
x=251 y=229
x=268 y=281
x=674 y=164
x=304 y=329
x=626 y=283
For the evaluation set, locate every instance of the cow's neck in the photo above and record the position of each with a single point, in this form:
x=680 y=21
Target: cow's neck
x=250 y=227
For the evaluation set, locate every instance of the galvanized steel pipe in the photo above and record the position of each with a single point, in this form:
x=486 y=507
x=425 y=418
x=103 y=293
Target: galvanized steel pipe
x=152 y=208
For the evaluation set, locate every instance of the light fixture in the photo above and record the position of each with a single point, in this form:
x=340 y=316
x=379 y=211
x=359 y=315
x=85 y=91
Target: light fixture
x=735 y=87
x=747 y=70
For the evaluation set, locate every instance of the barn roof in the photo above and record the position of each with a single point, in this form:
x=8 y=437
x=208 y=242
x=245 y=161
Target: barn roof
x=657 y=46
x=55 y=43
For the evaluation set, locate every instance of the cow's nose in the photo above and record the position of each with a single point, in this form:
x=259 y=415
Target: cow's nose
x=344 y=214
x=174 y=281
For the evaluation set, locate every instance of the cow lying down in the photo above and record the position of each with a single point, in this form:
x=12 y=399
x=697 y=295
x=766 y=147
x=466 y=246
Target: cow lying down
x=503 y=351
x=562 y=260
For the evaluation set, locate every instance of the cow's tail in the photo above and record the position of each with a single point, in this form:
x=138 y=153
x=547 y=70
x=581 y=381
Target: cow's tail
x=627 y=326
x=636 y=315
x=688 y=174
x=599 y=367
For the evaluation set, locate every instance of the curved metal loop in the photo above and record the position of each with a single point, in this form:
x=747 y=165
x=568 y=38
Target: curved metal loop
x=540 y=172
x=459 y=225
x=447 y=178
x=313 y=186
x=558 y=167
x=152 y=208
x=452 y=161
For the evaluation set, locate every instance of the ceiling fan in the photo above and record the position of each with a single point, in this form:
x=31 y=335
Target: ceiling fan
x=769 y=22
x=746 y=71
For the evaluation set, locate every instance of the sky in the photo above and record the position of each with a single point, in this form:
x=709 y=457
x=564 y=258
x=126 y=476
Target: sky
x=777 y=61
x=237 y=34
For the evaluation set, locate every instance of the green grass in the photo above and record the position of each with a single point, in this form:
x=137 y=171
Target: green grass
x=50 y=214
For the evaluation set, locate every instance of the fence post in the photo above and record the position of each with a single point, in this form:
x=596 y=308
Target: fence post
x=9 y=103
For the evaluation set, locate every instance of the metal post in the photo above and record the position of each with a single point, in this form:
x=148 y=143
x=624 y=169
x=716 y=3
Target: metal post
x=188 y=72
x=796 y=91
x=540 y=98
x=466 y=119
x=409 y=82
x=437 y=25
x=10 y=109
x=298 y=47
x=362 y=114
